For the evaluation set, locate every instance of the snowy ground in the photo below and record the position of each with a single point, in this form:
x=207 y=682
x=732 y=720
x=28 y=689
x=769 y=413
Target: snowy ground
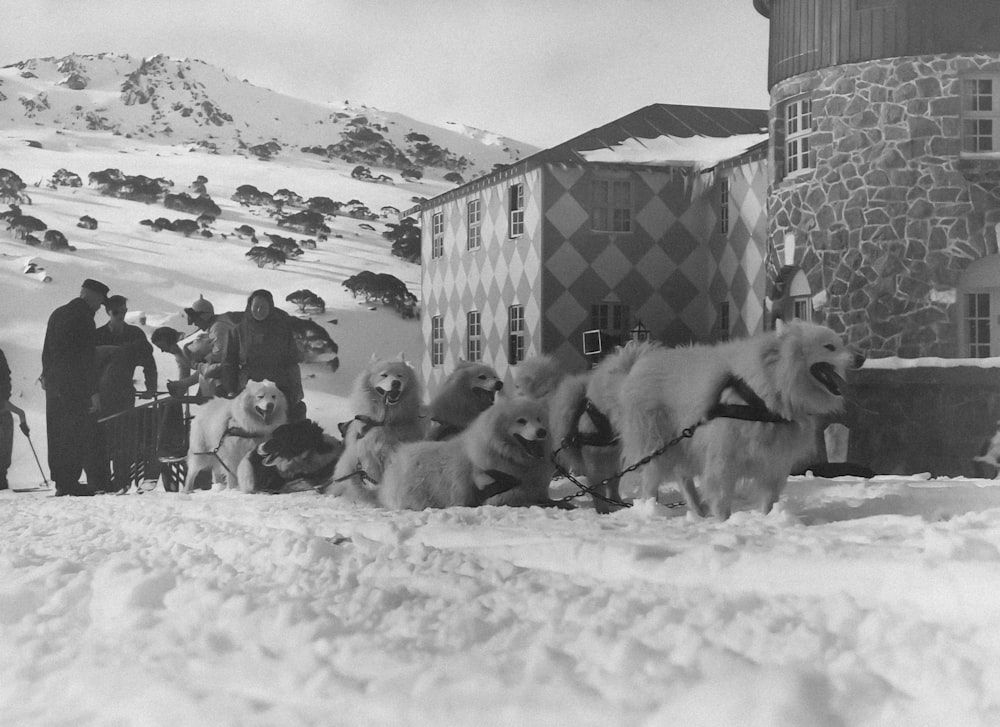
x=854 y=604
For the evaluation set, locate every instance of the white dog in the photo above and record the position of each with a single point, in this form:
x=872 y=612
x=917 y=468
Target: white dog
x=502 y=458
x=585 y=439
x=466 y=393
x=225 y=430
x=387 y=402
x=752 y=406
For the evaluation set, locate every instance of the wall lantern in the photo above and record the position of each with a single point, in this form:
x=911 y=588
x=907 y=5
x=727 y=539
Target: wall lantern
x=639 y=332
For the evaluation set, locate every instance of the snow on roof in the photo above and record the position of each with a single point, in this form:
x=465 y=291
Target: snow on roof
x=894 y=362
x=700 y=151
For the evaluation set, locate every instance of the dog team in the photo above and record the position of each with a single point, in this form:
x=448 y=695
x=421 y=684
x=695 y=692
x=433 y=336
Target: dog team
x=714 y=420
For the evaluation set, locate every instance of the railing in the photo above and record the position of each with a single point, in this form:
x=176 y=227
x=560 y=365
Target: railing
x=148 y=441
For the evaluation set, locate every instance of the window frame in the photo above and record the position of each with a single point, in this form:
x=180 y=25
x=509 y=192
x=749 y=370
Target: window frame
x=437 y=235
x=516 y=334
x=437 y=341
x=977 y=322
x=474 y=224
x=795 y=144
x=473 y=336
x=985 y=120
x=724 y=205
x=618 y=206
x=515 y=210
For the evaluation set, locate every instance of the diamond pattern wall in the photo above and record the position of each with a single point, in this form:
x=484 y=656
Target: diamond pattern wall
x=673 y=269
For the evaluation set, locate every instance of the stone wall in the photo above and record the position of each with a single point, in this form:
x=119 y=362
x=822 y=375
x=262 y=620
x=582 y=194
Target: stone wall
x=891 y=215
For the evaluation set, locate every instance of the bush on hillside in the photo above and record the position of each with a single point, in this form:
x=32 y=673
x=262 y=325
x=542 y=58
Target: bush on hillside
x=405 y=239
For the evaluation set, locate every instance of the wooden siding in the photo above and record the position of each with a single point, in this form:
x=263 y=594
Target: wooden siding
x=810 y=34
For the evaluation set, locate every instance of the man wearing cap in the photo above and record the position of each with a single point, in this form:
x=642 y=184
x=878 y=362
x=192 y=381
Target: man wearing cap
x=219 y=329
x=69 y=377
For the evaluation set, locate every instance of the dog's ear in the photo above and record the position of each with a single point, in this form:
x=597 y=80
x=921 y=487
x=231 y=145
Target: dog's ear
x=402 y=357
x=374 y=357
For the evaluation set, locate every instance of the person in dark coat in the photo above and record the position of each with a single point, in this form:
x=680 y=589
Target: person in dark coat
x=121 y=348
x=264 y=347
x=6 y=422
x=72 y=402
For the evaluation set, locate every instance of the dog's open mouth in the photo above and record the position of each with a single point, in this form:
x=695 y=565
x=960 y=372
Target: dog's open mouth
x=265 y=413
x=484 y=397
x=392 y=396
x=534 y=447
x=827 y=375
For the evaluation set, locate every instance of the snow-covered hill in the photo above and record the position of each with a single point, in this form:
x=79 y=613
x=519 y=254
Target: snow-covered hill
x=162 y=272
x=190 y=102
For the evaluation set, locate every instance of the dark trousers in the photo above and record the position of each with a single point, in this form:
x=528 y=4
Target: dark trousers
x=73 y=442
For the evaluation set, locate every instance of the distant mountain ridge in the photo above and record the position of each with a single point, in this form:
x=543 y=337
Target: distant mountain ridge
x=190 y=102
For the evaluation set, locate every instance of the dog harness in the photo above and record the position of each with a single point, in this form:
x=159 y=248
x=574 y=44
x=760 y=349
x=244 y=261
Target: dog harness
x=604 y=436
x=754 y=410
x=500 y=482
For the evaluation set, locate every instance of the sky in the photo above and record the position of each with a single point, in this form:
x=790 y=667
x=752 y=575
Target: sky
x=538 y=71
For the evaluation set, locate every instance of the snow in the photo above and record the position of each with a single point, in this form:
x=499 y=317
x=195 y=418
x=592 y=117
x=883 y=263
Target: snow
x=854 y=604
x=700 y=151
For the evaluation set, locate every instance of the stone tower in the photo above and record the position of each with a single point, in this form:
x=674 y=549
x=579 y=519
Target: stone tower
x=884 y=196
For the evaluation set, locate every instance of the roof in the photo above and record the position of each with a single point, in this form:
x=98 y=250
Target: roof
x=654 y=136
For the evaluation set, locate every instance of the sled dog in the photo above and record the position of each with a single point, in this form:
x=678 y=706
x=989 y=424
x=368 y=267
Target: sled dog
x=466 y=393
x=502 y=458
x=586 y=441
x=387 y=402
x=297 y=456
x=223 y=430
x=753 y=405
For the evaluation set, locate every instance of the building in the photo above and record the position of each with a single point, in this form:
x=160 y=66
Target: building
x=884 y=196
x=651 y=225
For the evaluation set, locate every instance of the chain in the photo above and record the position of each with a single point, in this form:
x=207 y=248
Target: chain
x=593 y=489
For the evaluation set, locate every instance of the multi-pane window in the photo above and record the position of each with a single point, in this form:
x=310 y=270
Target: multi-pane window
x=515 y=334
x=612 y=320
x=515 y=206
x=609 y=317
x=475 y=218
x=611 y=205
x=980 y=115
x=978 y=321
x=473 y=336
x=802 y=308
x=437 y=341
x=724 y=205
x=437 y=235
x=798 y=126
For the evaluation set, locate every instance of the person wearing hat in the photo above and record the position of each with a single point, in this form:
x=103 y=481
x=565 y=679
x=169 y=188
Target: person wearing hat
x=121 y=348
x=219 y=329
x=72 y=402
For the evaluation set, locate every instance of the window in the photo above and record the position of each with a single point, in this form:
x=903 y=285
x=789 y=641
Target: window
x=980 y=115
x=611 y=205
x=724 y=205
x=978 y=321
x=515 y=334
x=798 y=126
x=437 y=235
x=516 y=208
x=475 y=218
x=724 y=317
x=474 y=336
x=802 y=308
x=612 y=320
x=437 y=341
